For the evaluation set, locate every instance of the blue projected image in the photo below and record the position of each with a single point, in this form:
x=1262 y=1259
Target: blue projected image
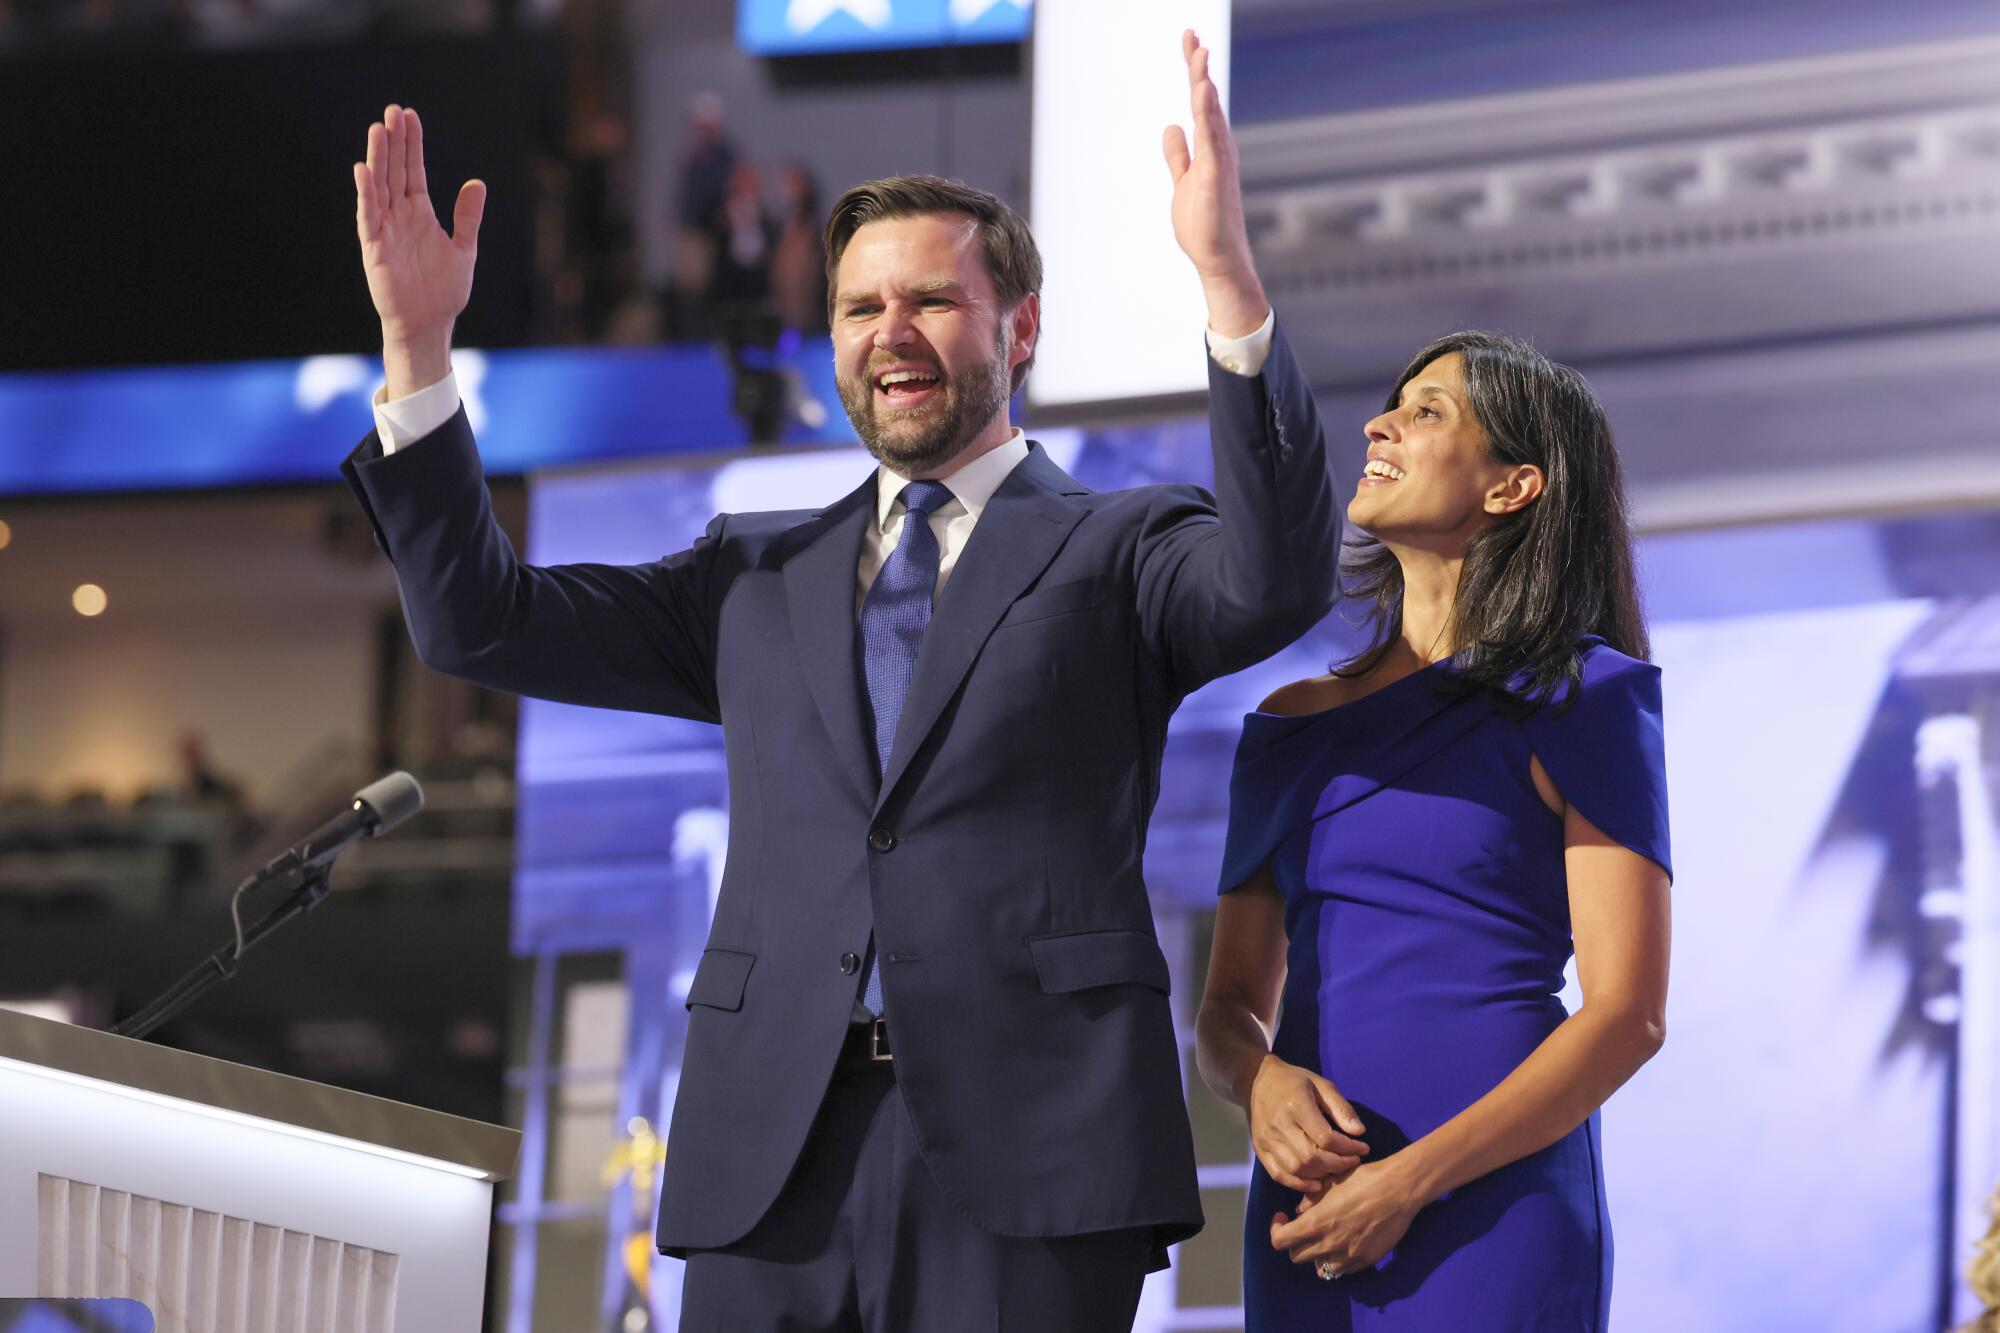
x=811 y=27
x=75 y=1316
x=278 y=422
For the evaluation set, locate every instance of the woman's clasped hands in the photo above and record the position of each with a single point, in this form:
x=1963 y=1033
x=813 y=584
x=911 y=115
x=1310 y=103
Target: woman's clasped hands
x=1309 y=1138
x=1350 y=1222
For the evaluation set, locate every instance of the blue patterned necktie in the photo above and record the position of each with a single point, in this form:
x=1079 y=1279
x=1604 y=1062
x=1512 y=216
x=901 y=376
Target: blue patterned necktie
x=894 y=615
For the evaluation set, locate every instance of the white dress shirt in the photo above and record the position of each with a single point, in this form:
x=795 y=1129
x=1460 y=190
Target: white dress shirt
x=951 y=523
x=409 y=419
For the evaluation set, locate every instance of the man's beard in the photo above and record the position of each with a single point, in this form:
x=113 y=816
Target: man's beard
x=967 y=401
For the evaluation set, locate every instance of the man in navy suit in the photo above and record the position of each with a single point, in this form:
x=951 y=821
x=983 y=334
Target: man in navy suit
x=931 y=1081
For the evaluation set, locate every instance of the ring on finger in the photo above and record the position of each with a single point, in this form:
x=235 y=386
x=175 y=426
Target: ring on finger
x=1328 y=1270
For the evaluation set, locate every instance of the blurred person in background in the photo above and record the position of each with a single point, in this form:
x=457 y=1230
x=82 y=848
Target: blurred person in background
x=741 y=234
x=739 y=303
x=931 y=1077
x=704 y=176
x=601 y=268
x=1418 y=841
x=201 y=782
x=798 y=260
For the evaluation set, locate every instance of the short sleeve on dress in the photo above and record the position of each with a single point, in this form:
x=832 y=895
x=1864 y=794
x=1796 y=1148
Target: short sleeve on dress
x=1606 y=750
x=1270 y=794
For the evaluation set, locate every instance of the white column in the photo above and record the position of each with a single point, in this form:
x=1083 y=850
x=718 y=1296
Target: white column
x=1949 y=750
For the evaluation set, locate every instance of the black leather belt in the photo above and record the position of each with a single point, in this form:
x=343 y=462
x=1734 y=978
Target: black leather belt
x=867 y=1044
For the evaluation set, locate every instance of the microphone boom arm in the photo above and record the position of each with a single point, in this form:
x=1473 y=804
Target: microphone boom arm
x=221 y=965
x=308 y=869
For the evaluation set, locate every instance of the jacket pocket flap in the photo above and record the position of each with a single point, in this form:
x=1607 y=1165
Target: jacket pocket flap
x=1099 y=958
x=1059 y=600
x=718 y=981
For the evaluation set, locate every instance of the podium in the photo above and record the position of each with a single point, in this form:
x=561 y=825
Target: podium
x=234 y=1200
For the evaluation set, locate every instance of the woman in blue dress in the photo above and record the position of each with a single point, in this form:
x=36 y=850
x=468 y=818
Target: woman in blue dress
x=1417 y=842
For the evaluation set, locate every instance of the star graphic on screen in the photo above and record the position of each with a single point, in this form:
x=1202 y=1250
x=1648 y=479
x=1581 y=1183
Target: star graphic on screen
x=805 y=15
x=966 y=11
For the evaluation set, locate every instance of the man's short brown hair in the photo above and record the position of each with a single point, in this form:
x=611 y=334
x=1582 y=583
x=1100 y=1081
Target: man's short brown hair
x=1012 y=260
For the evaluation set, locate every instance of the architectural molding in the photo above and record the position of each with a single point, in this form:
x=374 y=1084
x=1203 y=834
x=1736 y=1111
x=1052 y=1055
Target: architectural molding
x=1781 y=277
x=1558 y=122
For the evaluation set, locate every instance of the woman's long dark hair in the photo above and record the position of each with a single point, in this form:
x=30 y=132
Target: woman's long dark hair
x=1537 y=580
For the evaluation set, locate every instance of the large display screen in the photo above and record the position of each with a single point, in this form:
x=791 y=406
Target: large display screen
x=278 y=422
x=811 y=27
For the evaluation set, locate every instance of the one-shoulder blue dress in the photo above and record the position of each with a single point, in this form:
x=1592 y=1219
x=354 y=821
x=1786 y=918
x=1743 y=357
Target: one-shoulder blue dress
x=1427 y=913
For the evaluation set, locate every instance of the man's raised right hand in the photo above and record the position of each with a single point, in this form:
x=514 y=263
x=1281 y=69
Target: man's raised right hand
x=419 y=277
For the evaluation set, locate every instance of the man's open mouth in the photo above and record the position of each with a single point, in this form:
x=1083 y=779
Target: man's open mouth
x=907 y=386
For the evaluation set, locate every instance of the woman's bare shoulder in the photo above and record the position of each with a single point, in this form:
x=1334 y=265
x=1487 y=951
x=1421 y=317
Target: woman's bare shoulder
x=1313 y=695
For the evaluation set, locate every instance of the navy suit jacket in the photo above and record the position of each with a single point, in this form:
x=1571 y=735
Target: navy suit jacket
x=997 y=858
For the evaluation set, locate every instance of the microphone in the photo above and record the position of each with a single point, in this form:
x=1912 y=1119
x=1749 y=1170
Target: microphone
x=377 y=808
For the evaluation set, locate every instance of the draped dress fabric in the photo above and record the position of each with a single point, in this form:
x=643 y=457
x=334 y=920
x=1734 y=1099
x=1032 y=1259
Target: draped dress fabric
x=1427 y=917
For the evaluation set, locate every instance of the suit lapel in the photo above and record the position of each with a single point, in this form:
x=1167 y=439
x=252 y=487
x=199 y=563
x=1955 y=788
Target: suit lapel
x=1019 y=532
x=819 y=595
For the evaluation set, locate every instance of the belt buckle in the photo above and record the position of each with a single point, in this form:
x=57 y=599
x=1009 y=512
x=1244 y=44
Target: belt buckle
x=878 y=1042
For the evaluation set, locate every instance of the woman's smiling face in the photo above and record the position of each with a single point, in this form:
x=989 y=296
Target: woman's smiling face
x=1431 y=479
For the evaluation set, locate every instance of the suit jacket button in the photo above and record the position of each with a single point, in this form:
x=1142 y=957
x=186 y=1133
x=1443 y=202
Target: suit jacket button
x=881 y=839
x=849 y=965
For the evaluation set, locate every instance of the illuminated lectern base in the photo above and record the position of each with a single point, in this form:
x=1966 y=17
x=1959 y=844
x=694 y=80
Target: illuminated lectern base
x=232 y=1200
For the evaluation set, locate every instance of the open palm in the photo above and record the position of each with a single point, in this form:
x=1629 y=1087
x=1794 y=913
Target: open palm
x=1208 y=198
x=418 y=276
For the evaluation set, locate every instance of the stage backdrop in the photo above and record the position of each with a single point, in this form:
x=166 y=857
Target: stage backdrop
x=1830 y=815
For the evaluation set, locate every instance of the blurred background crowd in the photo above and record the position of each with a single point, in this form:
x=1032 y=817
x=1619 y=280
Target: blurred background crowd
x=741 y=219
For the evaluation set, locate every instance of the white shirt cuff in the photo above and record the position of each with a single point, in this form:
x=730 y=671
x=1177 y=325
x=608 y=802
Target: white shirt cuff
x=1245 y=355
x=407 y=420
